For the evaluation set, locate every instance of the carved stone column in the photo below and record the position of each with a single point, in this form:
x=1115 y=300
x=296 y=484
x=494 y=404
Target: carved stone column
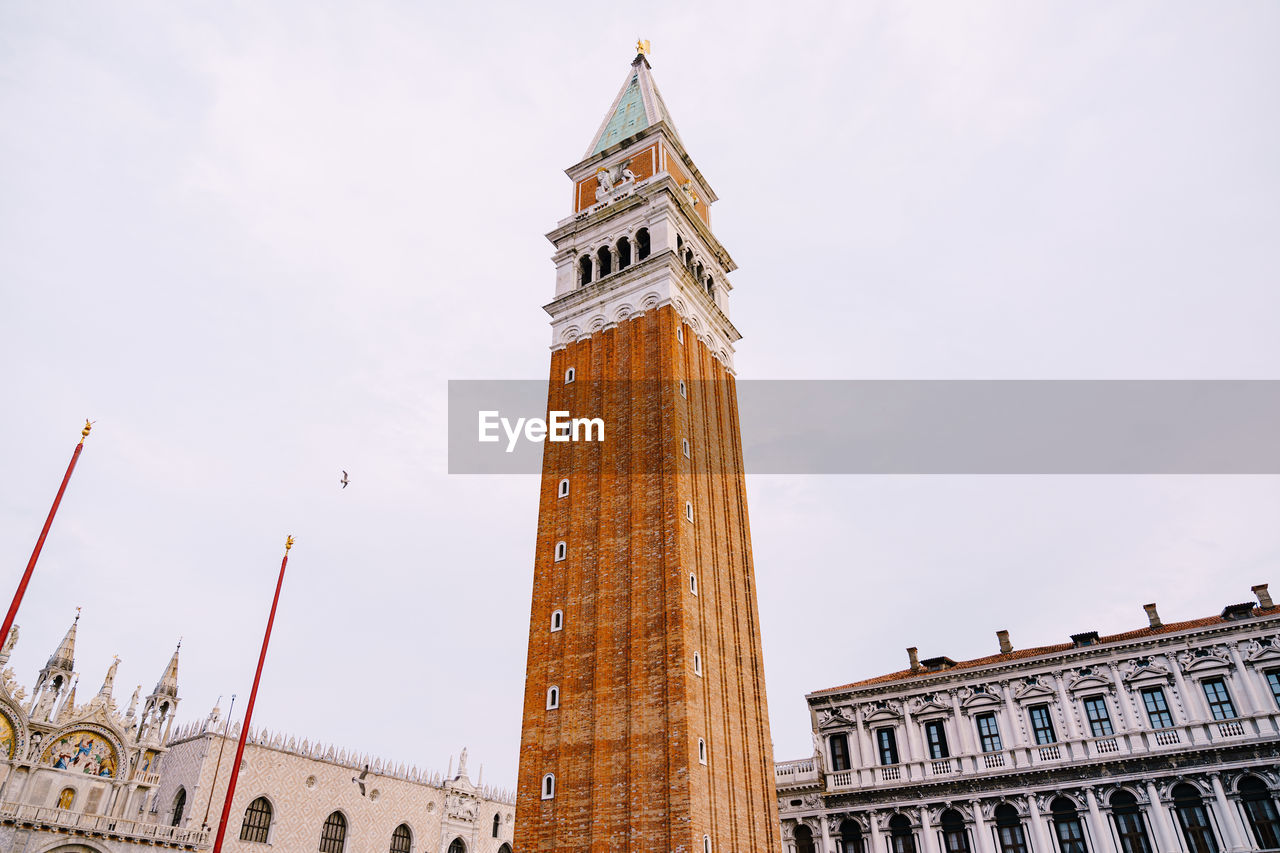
x=1039 y=832
x=875 y=832
x=1102 y=841
x=1228 y=816
x=1158 y=817
x=928 y=838
x=981 y=835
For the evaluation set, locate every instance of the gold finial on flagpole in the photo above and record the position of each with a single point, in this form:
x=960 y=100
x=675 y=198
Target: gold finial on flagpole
x=642 y=47
x=288 y=543
x=84 y=433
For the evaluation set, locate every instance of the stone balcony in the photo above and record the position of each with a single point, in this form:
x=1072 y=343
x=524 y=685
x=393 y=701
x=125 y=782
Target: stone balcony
x=102 y=826
x=795 y=774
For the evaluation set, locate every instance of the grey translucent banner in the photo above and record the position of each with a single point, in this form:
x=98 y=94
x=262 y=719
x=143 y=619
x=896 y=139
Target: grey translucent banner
x=889 y=427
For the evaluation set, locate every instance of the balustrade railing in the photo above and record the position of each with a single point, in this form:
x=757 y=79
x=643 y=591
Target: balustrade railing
x=117 y=827
x=1231 y=728
x=942 y=767
x=1050 y=753
x=891 y=773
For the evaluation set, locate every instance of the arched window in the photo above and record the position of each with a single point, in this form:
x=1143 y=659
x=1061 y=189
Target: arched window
x=954 y=837
x=506 y=848
x=642 y=244
x=624 y=253
x=901 y=838
x=1261 y=811
x=604 y=261
x=697 y=664
x=179 y=804
x=711 y=287
x=702 y=751
x=1066 y=824
x=706 y=844
x=457 y=846
x=401 y=839
x=851 y=836
x=333 y=837
x=562 y=551
x=553 y=698
x=549 y=786
x=1130 y=827
x=563 y=490
x=693 y=583
x=699 y=272
x=569 y=375
x=688 y=510
x=257 y=821
x=804 y=839
x=1009 y=830
x=584 y=270
x=66 y=798
x=497 y=825
x=1194 y=820
x=557 y=620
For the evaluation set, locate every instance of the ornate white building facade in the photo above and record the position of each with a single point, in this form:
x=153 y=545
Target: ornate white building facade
x=1165 y=738
x=88 y=778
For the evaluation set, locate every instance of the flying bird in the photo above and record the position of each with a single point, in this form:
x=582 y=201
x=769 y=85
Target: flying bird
x=344 y=480
x=359 y=780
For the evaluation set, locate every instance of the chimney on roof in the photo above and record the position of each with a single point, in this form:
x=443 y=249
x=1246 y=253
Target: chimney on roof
x=1005 y=645
x=1264 y=597
x=1152 y=616
x=913 y=654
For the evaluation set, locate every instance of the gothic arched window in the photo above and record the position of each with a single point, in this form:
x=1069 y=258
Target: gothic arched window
x=604 y=261
x=257 y=821
x=624 y=253
x=1194 y=820
x=954 y=837
x=1261 y=811
x=642 y=244
x=584 y=270
x=401 y=839
x=497 y=825
x=1066 y=824
x=553 y=698
x=66 y=798
x=1013 y=839
x=901 y=838
x=1130 y=827
x=458 y=846
x=179 y=803
x=804 y=839
x=333 y=837
x=549 y=786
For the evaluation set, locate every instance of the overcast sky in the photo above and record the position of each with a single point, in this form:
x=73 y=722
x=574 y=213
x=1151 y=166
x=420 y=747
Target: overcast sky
x=254 y=241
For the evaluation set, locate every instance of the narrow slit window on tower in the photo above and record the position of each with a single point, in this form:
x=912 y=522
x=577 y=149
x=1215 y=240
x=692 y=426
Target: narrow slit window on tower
x=693 y=583
x=562 y=551
x=569 y=375
x=697 y=664
x=624 y=253
x=706 y=844
x=702 y=751
x=553 y=698
x=680 y=333
x=685 y=444
x=584 y=270
x=604 y=261
x=563 y=491
x=642 y=244
x=557 y=620
x=549 y=786
x=688 y=510
x=684 y=391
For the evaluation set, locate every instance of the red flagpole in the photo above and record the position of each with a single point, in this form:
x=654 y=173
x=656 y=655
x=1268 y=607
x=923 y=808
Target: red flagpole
x=248 y=711
x=44 y=532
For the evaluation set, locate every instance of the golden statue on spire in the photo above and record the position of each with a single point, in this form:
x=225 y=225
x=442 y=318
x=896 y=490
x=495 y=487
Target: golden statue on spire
x=642 y=47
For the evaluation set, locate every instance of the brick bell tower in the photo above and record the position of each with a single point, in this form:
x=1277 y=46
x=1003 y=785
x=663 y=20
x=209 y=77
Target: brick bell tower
x=645 y=721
